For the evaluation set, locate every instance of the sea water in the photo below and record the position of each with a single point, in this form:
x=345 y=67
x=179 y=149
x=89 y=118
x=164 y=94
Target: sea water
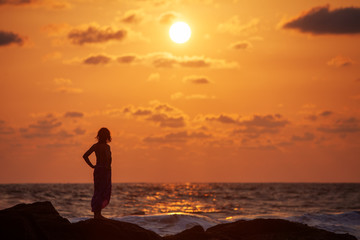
x=172 y=208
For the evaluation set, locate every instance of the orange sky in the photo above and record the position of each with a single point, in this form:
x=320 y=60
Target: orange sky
x=264 y=91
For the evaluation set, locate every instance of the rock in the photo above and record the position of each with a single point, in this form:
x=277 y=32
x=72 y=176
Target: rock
x=39 y=220
x=259 y=229
x=272 y=229
x=112 y=229
x=194 y=233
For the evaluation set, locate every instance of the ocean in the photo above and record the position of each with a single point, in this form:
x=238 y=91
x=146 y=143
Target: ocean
x=171 y=208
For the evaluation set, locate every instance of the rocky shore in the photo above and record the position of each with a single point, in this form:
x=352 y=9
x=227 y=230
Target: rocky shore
x=40 y=220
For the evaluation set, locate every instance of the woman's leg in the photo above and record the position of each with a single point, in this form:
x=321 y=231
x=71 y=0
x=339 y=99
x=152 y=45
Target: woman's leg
x=97 y=215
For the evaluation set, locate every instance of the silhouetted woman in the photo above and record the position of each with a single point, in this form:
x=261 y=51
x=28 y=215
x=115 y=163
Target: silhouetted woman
x=102 y=172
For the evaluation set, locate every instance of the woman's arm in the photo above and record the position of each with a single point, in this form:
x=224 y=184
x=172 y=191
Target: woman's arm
x=87 y=154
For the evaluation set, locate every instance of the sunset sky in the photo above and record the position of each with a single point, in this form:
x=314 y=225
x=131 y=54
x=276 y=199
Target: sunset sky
x=263 y=91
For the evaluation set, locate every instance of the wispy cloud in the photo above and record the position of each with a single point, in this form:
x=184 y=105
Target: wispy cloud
x=168 y=60
x=133 y=16
x=342 y=126
x=306 y=137
x=322 y=20
x=161 y=114
x=178 y=137
x=168 y=17
x=340 y=61
x=180 y=95
x=49 y=4
x=64 y=85
x=240 y=45
x=73 y=114
x=235 y=26
x=8 y=38
x=5 y=129
x=196 y=79
x=93 y=34
x=98 y=59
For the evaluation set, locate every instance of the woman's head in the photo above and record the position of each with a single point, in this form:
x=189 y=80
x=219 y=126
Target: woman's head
x=103 y=135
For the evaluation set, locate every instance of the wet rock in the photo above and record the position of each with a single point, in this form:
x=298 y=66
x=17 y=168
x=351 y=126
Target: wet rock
x=40 y=220
x=272 y=229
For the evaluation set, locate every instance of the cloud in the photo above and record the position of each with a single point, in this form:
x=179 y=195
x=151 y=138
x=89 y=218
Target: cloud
x=55 y=4
x=222 y=118
x=79 y=131
x=180 y=95
x=241 y=45
x=52 y=56
x=326 y=113
x=16 y=2
x=69 y=90
x=154 y=77
x=342 y=126
x=64 y=86
x=129 y=58
x=133 y=16
x=179 y=137
x=258 y=125
x=7 y=38
x=167 y=60
x=340 y=61
x=43 y=127
x=197 y=79
x=168 y=17
x=306 y=137
x=323 y=114
x=321 y=20
x=312 y=117
x=95 y=35
x=234 y=26
x=98 y=59
x=253 y=126
x=52 y=129
x=5 y=129
x=162 y=114
x=266 y=121
x=142 y=112
x=73 y=114
x=266 y=147
x=62 y=81
x=55 y=30
x=167 y=121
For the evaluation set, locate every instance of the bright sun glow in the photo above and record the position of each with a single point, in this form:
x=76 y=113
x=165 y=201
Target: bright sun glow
x=180 y=32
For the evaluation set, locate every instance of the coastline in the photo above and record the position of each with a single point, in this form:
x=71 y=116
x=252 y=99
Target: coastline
x=40 y=220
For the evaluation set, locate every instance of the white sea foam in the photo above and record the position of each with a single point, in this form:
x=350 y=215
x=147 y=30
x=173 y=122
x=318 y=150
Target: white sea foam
x=165 y=224
x=348 y=222
x=168 y=224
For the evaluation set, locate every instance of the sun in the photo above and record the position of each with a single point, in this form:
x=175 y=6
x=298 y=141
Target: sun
x=180 y=32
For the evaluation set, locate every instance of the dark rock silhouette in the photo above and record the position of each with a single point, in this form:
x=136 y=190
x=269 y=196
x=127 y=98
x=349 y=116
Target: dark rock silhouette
x=112 y=229
x=40 y=220
x=274 y=229
x=194 y=233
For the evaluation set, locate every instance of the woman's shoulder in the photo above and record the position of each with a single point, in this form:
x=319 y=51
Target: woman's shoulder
x=101 y=145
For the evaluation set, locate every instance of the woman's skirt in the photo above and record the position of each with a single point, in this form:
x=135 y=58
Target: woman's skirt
x=102 y=188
